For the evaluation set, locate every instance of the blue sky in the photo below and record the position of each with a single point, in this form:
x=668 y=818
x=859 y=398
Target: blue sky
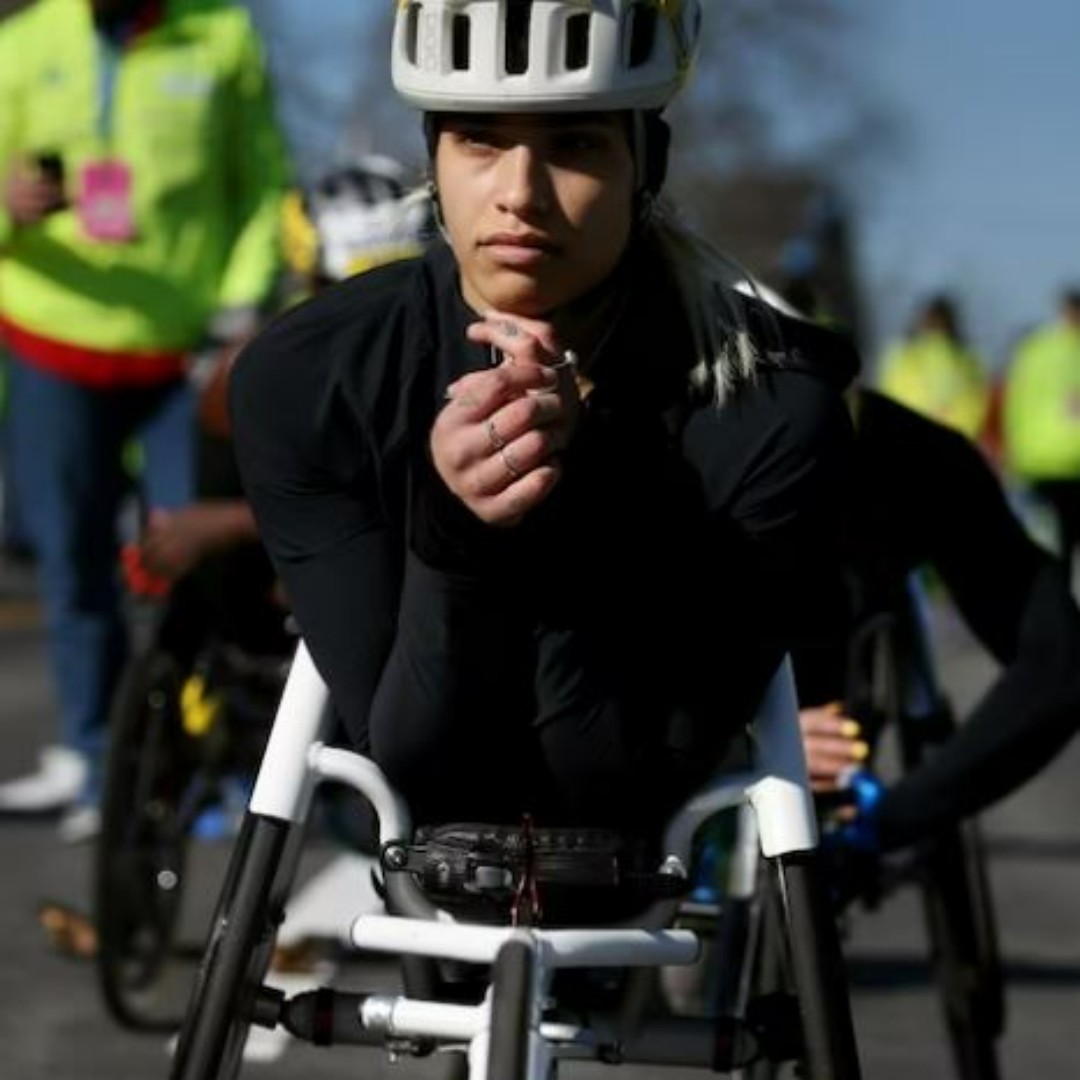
x=983 y=194
x=978 y=192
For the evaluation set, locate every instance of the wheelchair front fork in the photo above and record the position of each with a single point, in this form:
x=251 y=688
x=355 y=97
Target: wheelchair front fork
x=238 y=953
x=818 y=968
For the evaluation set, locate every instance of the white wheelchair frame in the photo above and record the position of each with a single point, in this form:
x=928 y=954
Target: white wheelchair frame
x=511 y=1034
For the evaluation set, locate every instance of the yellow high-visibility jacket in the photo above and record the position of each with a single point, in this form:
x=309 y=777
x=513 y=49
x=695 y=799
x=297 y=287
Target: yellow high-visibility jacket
x=939 y=378
x=186 y=106
x=1041 y=407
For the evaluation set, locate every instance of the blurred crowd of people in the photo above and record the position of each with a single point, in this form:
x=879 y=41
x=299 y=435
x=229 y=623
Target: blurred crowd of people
x=1026 y=417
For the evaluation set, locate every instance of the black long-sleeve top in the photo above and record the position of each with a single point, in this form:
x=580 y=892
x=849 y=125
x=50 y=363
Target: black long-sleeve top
x=923 y=496
x=593 y=662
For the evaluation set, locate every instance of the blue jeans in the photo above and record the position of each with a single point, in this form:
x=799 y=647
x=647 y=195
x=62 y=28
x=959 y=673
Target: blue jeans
x=13 y=534
x=67 y=444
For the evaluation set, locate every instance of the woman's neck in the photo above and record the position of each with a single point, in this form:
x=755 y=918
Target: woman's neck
x=587 y=323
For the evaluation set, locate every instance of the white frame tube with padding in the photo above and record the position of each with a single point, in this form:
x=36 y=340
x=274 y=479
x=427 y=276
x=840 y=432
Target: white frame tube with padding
x=781 y=798
x=560 y=948
x=777 y=786
x=284 y=784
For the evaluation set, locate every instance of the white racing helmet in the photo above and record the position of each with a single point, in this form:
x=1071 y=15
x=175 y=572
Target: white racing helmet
x=356 y=217
x=543 y=55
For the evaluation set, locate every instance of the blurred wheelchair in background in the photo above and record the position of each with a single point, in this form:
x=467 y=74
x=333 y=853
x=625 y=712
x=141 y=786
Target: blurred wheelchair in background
x=188 y=725
x=894 y=683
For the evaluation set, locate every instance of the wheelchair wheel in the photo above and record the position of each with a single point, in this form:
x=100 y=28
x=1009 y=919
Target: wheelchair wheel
x=147 y=808
x=508 y=1056
x=225 y=999
x=767 y=999
x=797 y=1000
x=964 y=950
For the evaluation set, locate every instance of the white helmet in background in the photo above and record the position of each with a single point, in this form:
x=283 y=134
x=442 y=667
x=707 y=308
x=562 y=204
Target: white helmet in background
x=356 y=217
x=543 y=55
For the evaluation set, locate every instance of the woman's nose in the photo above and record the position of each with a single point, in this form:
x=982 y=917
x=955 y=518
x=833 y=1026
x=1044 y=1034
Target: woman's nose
x=525 y=182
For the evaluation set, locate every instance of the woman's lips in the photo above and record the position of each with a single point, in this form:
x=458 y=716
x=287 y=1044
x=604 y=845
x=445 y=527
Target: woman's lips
x=517 y=251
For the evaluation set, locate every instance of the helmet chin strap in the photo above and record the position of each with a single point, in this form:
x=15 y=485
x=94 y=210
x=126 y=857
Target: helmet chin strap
x=436 y=207
x=653 y=144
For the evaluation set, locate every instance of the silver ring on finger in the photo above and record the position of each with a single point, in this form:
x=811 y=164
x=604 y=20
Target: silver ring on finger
x=509 y=463
x=496 y=440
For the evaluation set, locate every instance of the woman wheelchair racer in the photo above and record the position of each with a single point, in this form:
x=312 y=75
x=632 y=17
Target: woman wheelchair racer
x=550 y=502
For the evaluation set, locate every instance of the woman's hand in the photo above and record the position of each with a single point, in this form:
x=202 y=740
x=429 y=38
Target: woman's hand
x=496 y=443
x=833 y=745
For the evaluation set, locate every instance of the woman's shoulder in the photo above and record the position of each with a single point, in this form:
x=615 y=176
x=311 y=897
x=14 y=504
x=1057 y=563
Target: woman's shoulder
x=791 y=343
x=346 y=309
x=802 y=371
x=339 y=362
x=373 y=320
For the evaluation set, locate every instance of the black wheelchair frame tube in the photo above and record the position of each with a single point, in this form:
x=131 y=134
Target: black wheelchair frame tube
x=818 y=969
x=512 y=983
x=246 y=904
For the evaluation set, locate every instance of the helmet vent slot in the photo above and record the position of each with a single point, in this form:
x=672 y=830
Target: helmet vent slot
x=460 y=39
x=412 y=32
x=518 y=17
x=642 y=34
x=577 y=41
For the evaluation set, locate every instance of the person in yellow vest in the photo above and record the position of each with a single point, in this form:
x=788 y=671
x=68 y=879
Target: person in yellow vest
x=360 y=214
x=141 y=174
x=1041 y=418
x=934 y=372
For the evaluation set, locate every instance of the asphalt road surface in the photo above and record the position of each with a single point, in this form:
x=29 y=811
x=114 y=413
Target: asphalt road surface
x=53 y=1023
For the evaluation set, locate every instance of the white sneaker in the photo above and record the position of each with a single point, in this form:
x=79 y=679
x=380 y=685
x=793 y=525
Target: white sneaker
x=79 y=825
x=57 y=783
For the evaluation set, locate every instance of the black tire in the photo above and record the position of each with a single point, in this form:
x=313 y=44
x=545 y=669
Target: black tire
x=508 y=1056
x=226 y=993
x=953 y=879
x=148 y=806
x=964 y=950
x=984 y=919
x=961 y=927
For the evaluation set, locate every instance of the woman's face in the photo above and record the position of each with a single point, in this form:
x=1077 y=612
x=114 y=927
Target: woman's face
x=537 y=208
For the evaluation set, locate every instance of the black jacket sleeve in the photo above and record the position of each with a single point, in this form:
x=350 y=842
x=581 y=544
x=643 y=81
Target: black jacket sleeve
x=1016 y=601
x=1027 y=716
x=309 y=469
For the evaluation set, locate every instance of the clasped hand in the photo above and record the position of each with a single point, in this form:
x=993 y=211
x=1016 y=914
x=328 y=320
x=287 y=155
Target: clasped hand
x=497 y=442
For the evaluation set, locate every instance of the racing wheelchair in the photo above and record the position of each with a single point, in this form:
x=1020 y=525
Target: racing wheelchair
x=520 y=947
x=895 y=677
x=893 y=689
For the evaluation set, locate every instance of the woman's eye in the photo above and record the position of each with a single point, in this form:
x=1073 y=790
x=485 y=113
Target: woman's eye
x=478 y=137
x=579 y=142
